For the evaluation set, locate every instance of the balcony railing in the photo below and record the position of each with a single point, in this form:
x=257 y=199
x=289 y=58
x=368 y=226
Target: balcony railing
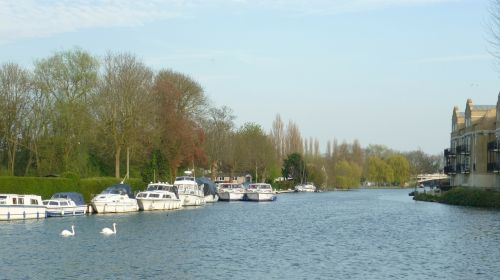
x=450 y=170
x=493 y=167
x=449 y=153
x=463 y=168
x=494 y=146
x=463 y=150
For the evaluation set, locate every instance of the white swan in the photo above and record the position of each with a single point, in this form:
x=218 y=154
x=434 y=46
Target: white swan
x=67 y=232
x=108 y=231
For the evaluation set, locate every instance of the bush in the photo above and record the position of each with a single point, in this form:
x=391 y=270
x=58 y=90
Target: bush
x=474 y=197
x=47 y=186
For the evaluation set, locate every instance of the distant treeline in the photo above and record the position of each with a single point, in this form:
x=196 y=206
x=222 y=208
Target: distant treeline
x=75 y=113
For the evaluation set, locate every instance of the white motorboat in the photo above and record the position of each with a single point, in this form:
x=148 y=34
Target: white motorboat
x=209 y=189
x=20 y=207
x=159 y=196
x=307 y=187
x=260 y=192
x=115 y=199
x=189 y=191
x=231 y=191
x=65 y=204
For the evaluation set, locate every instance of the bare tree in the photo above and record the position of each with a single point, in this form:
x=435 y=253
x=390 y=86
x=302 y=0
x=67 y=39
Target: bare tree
x=278 y=137
x=219 y=129
x=293 y=139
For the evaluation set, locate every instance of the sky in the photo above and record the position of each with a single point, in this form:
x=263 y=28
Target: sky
x=385 y=72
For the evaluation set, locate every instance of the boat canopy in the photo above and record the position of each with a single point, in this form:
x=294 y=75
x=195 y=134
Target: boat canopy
x=119 y=189
x=76 y=197
x=209 y=186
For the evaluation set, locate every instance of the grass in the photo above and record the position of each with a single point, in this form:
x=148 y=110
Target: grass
x=474 y=197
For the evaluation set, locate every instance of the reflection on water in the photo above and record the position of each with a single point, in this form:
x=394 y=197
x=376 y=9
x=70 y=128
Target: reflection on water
x=367 y=234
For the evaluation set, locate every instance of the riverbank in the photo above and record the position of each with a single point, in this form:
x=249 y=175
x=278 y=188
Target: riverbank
x=473 y=197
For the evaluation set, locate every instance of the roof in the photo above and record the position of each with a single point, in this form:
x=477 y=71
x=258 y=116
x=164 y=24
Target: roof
x=76 y=197
x=483 y=107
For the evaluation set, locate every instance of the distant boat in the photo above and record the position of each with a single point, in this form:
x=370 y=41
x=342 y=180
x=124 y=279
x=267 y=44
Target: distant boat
x=21 y=207
x=209 y=189
x=65 y=204
x=260 y=192
x=115 y=199
x=306 y=187
x=159 y=196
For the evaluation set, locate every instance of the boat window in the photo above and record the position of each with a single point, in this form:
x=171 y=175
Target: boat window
x=33 y=202
x=21 y=200
x=3 y=199
x=166 y=196
x=154 y=195
x=14 y=200
x=45 y=202
x=53 y=203
x=64 y=203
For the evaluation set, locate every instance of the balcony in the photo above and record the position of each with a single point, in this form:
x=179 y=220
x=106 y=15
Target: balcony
x=450 y=170
x=463 y=168
x=449 y=153
x=493 y=167
x=494 y=146
x=463 y=150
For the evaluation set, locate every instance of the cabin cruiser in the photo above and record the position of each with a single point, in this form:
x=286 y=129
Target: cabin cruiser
x=65 y=204
x=159 y=196
x=20 y=207
x=260 y=192
x=306 y=187
x=209 y=189
x=115 y=199
x=231 y=191
x=189 y=191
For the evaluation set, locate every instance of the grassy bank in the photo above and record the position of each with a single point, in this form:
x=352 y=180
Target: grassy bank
x=465 y=197
x=46 y=187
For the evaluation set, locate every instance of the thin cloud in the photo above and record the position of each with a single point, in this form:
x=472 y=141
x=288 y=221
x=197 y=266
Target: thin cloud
x=22 y=19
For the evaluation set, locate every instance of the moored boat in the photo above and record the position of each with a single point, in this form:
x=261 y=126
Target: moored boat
x=20 y=207
x=159 y=196
x=189 y=191
x=260 y=192
x=209 y=189
x=65 y=204
x=231 y=191
x=115 y=199
x=306 y=187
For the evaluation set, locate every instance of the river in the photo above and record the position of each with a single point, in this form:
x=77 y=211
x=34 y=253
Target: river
x=364 y=234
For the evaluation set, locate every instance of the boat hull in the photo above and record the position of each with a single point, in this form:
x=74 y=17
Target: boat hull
x=66 y=211
x=158 y=204
x=231 y=196
x=256 y=196
x=22 y=212
x=110 y=207
x=211 y=198
x=191 y=200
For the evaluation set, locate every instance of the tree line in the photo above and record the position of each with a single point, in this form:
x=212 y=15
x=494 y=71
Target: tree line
x=78 y=114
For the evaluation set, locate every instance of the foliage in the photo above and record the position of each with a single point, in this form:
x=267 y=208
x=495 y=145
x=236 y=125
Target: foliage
x=348 y=175
x=294 y=168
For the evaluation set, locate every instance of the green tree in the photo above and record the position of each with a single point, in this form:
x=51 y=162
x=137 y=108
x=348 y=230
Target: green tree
x=379 y=171
x=293 y=167
x=401 y=169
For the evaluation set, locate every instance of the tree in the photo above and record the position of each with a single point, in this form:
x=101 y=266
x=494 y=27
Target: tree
x=181 y=106
x=15 y=89
x=379 y=171
x=219 y=129
x=293 y=139
x=401 y=169
x=294 y=168
x=122 y=103
x=347 y=175
x=278 y=137
x=255 y=151
x=67 y=79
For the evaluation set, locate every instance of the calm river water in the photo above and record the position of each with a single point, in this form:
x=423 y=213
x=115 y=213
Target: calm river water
x=365 y=234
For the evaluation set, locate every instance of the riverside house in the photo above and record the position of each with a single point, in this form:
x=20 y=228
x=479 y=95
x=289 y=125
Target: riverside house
x=473 y=159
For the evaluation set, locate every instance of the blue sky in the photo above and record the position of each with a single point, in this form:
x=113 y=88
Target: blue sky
x=381 y=71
